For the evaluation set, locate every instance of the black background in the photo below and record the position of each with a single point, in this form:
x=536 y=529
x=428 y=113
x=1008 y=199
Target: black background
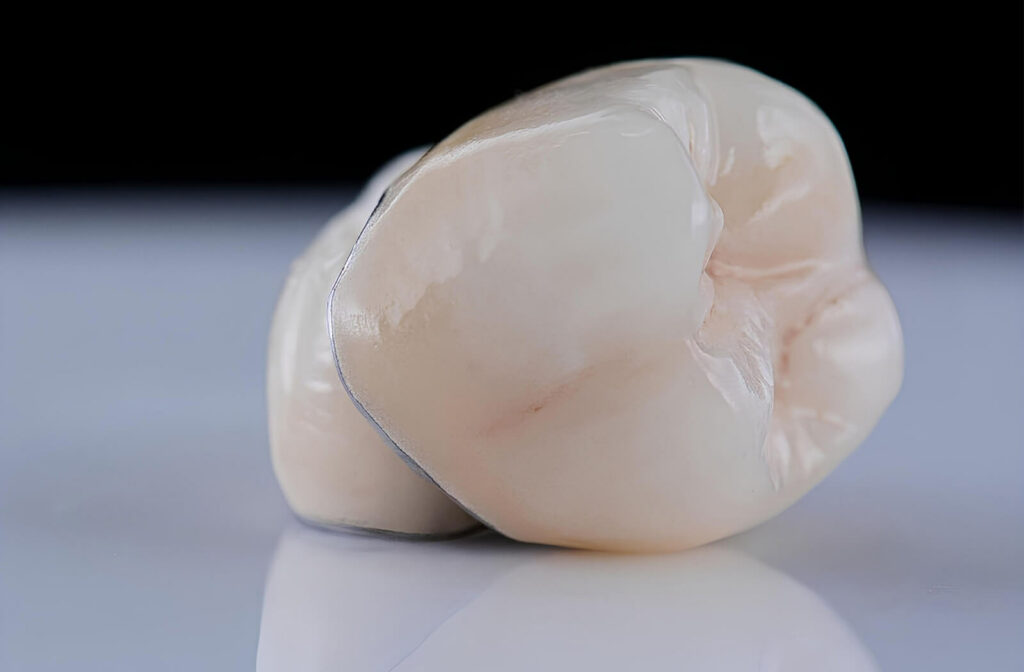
x=929 y=104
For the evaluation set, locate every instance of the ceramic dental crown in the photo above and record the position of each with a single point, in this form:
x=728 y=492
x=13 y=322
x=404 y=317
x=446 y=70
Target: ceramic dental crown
x=629 y=310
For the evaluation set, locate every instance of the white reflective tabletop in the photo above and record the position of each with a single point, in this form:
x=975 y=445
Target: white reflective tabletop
x=141 y=528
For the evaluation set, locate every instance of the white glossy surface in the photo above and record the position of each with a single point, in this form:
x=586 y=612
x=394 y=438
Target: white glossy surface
x=489 y=604
x=139 y=515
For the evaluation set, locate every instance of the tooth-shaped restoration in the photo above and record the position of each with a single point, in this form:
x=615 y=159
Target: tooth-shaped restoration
x=333 y=466
x=629 y=310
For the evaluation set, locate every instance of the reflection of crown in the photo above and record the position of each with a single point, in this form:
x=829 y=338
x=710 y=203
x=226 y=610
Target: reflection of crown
x=343 y=602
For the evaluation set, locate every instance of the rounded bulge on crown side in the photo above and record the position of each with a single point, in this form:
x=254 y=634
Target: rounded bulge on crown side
x=331 y=463
x=629 y=310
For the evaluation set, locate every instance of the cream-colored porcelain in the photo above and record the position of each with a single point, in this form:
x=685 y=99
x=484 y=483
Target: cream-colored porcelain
x=629 y=310
x=333 y=466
